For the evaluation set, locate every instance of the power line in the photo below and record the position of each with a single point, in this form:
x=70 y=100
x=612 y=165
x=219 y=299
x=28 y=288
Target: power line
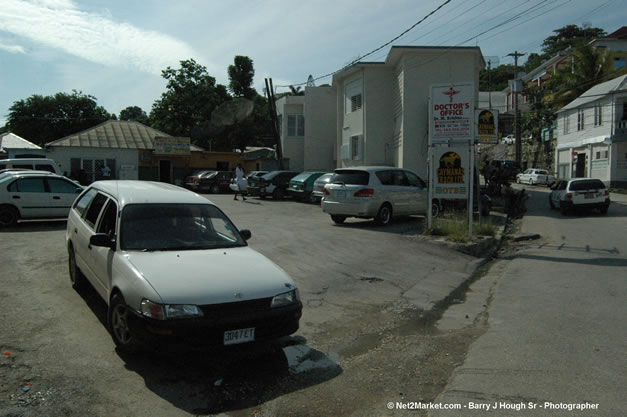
x=376 y=49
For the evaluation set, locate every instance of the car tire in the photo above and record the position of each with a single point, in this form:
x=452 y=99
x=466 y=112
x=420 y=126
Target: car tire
x=312 y=198
x=121 y=332
x=436 y=209
x=278 y=194
x=384 y=216
x=551 y=203
x=215 y=189
x=604 y=209
x=338 y=219
x=76 y=276
x=8 y=216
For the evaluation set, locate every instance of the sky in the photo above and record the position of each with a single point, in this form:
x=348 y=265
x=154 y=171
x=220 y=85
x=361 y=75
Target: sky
x=115 y=50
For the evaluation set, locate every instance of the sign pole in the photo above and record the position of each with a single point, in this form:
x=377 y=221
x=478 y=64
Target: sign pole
x=471 y=188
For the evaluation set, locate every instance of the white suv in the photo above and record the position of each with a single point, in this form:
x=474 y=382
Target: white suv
x=374 y=192
x=173 y=269
x=35 y=195
x=580 y=193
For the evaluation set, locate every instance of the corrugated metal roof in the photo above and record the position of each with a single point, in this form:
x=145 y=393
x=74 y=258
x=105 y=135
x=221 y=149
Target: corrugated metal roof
x=115 y=134
x=13 y=141
x=598 y=92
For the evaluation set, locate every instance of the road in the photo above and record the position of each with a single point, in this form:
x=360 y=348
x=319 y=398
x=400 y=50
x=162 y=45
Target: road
x=555 y=321
x=363 y=340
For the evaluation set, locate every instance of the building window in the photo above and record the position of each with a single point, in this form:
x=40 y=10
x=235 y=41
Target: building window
x=598 y=115
x=606 y=154
x=580 y=119
x=565 y=124
x=354 y=147
x=295 y=125
x=598 y=155
x=355 y=102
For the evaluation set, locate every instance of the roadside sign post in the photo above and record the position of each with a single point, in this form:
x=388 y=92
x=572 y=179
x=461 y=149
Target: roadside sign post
x=452 y=128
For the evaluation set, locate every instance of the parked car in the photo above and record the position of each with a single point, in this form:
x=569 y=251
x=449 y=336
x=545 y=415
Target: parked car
x=374 y=192
x=501 y=169
x=37 y=164
x=191 y=181
x=215 y=182
x=173 y=268
x=535 y=176
x=301 y=186
x=274 y=183
x=509 y=140
x=579 y=193
x=316 y=193
x=35 y=195
x=233 y=185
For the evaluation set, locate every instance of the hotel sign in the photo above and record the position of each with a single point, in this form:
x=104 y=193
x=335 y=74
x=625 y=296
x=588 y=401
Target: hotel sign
x=172 y=146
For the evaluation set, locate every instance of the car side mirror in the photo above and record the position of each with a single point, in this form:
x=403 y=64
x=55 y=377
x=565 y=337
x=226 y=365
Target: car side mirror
x=246 y=234
x=102 y=240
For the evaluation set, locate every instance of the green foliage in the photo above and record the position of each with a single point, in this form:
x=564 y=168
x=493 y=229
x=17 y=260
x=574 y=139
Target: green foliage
x=241 y=75
x=42 y=119
x=534 y=61
x=136 y=114
x=541 y=113
x=569 y=36
x=190 y=97
x=497 y=79
x=455 y=228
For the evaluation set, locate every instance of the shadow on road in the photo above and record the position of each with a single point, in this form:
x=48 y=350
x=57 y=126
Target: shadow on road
x=26 y=226
x=619 y=262
x=215 y=380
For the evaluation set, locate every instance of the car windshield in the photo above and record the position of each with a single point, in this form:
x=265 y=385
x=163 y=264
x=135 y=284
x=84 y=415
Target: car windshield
x=351 y=177
x=302 y=177
x=324 y=178
x=151 y=227
x=210 y=174
x=541 y=172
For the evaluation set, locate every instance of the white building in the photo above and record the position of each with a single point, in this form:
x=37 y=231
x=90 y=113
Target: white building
x=592 y=134
x=307 y=129
x=14 y=146
x=383 y=107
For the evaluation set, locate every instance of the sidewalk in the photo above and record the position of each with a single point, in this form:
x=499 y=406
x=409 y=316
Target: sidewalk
x=618 y=198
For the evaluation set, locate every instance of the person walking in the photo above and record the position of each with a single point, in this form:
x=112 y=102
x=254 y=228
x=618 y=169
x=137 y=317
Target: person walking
x=239 y=180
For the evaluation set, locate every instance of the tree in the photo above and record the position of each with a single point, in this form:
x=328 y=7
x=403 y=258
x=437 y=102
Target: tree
x=42 y=119
x=136 y=114
x=569 y=36
x=191 y=95
x=241 y=75
x=497 y=79
x=541 y=113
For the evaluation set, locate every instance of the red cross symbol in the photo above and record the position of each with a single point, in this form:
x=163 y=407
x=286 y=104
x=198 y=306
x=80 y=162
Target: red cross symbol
x=451 y=92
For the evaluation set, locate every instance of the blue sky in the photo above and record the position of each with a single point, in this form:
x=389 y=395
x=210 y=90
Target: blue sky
x=115 y=50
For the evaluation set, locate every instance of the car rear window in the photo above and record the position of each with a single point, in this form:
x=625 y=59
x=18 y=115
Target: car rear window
x=351 y=177
x=302 y=177
x=587 y=185
x=541 y=172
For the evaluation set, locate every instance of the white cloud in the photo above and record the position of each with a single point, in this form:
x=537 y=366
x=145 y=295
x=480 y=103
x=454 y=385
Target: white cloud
x=16 y=49
x=61 y=25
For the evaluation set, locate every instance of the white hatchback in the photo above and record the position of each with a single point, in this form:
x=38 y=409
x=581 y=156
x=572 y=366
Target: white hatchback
x=535 y=176
x=26 y=195
x=173 y=269
x=580 y=193
x=374 y=192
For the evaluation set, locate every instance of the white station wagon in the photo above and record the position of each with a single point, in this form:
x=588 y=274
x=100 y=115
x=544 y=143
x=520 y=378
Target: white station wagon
x=378 y=193
x=174 y=269
x=535 y=176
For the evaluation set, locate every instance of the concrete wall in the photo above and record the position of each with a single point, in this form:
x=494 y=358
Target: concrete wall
x=62 y=156
x=320 y=129
x=379 y=83
x=293 y=146
x=351 y=122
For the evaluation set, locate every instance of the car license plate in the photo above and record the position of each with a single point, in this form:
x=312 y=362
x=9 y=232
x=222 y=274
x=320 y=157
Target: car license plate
x=588 y=195
x=340 y=194
x=233 y=337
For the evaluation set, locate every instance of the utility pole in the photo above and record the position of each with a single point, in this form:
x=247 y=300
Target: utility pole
x=275 y=123
x=515 y=54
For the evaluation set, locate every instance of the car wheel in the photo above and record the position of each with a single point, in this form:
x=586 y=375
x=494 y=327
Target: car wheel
x=278 y=194
x=604 y=209
x=8 y=216
x=338 y=219
x=76 y=276
x=119 y=317
x=551 y=203
x=313 y=199
x=215 y=189
x=436 y=209
x=384 y=216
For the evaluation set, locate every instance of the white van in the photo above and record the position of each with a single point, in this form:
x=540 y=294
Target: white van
x=39 y=164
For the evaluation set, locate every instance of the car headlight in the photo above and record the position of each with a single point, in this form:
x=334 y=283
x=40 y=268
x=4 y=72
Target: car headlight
x=285 y=298
x=169 y=311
